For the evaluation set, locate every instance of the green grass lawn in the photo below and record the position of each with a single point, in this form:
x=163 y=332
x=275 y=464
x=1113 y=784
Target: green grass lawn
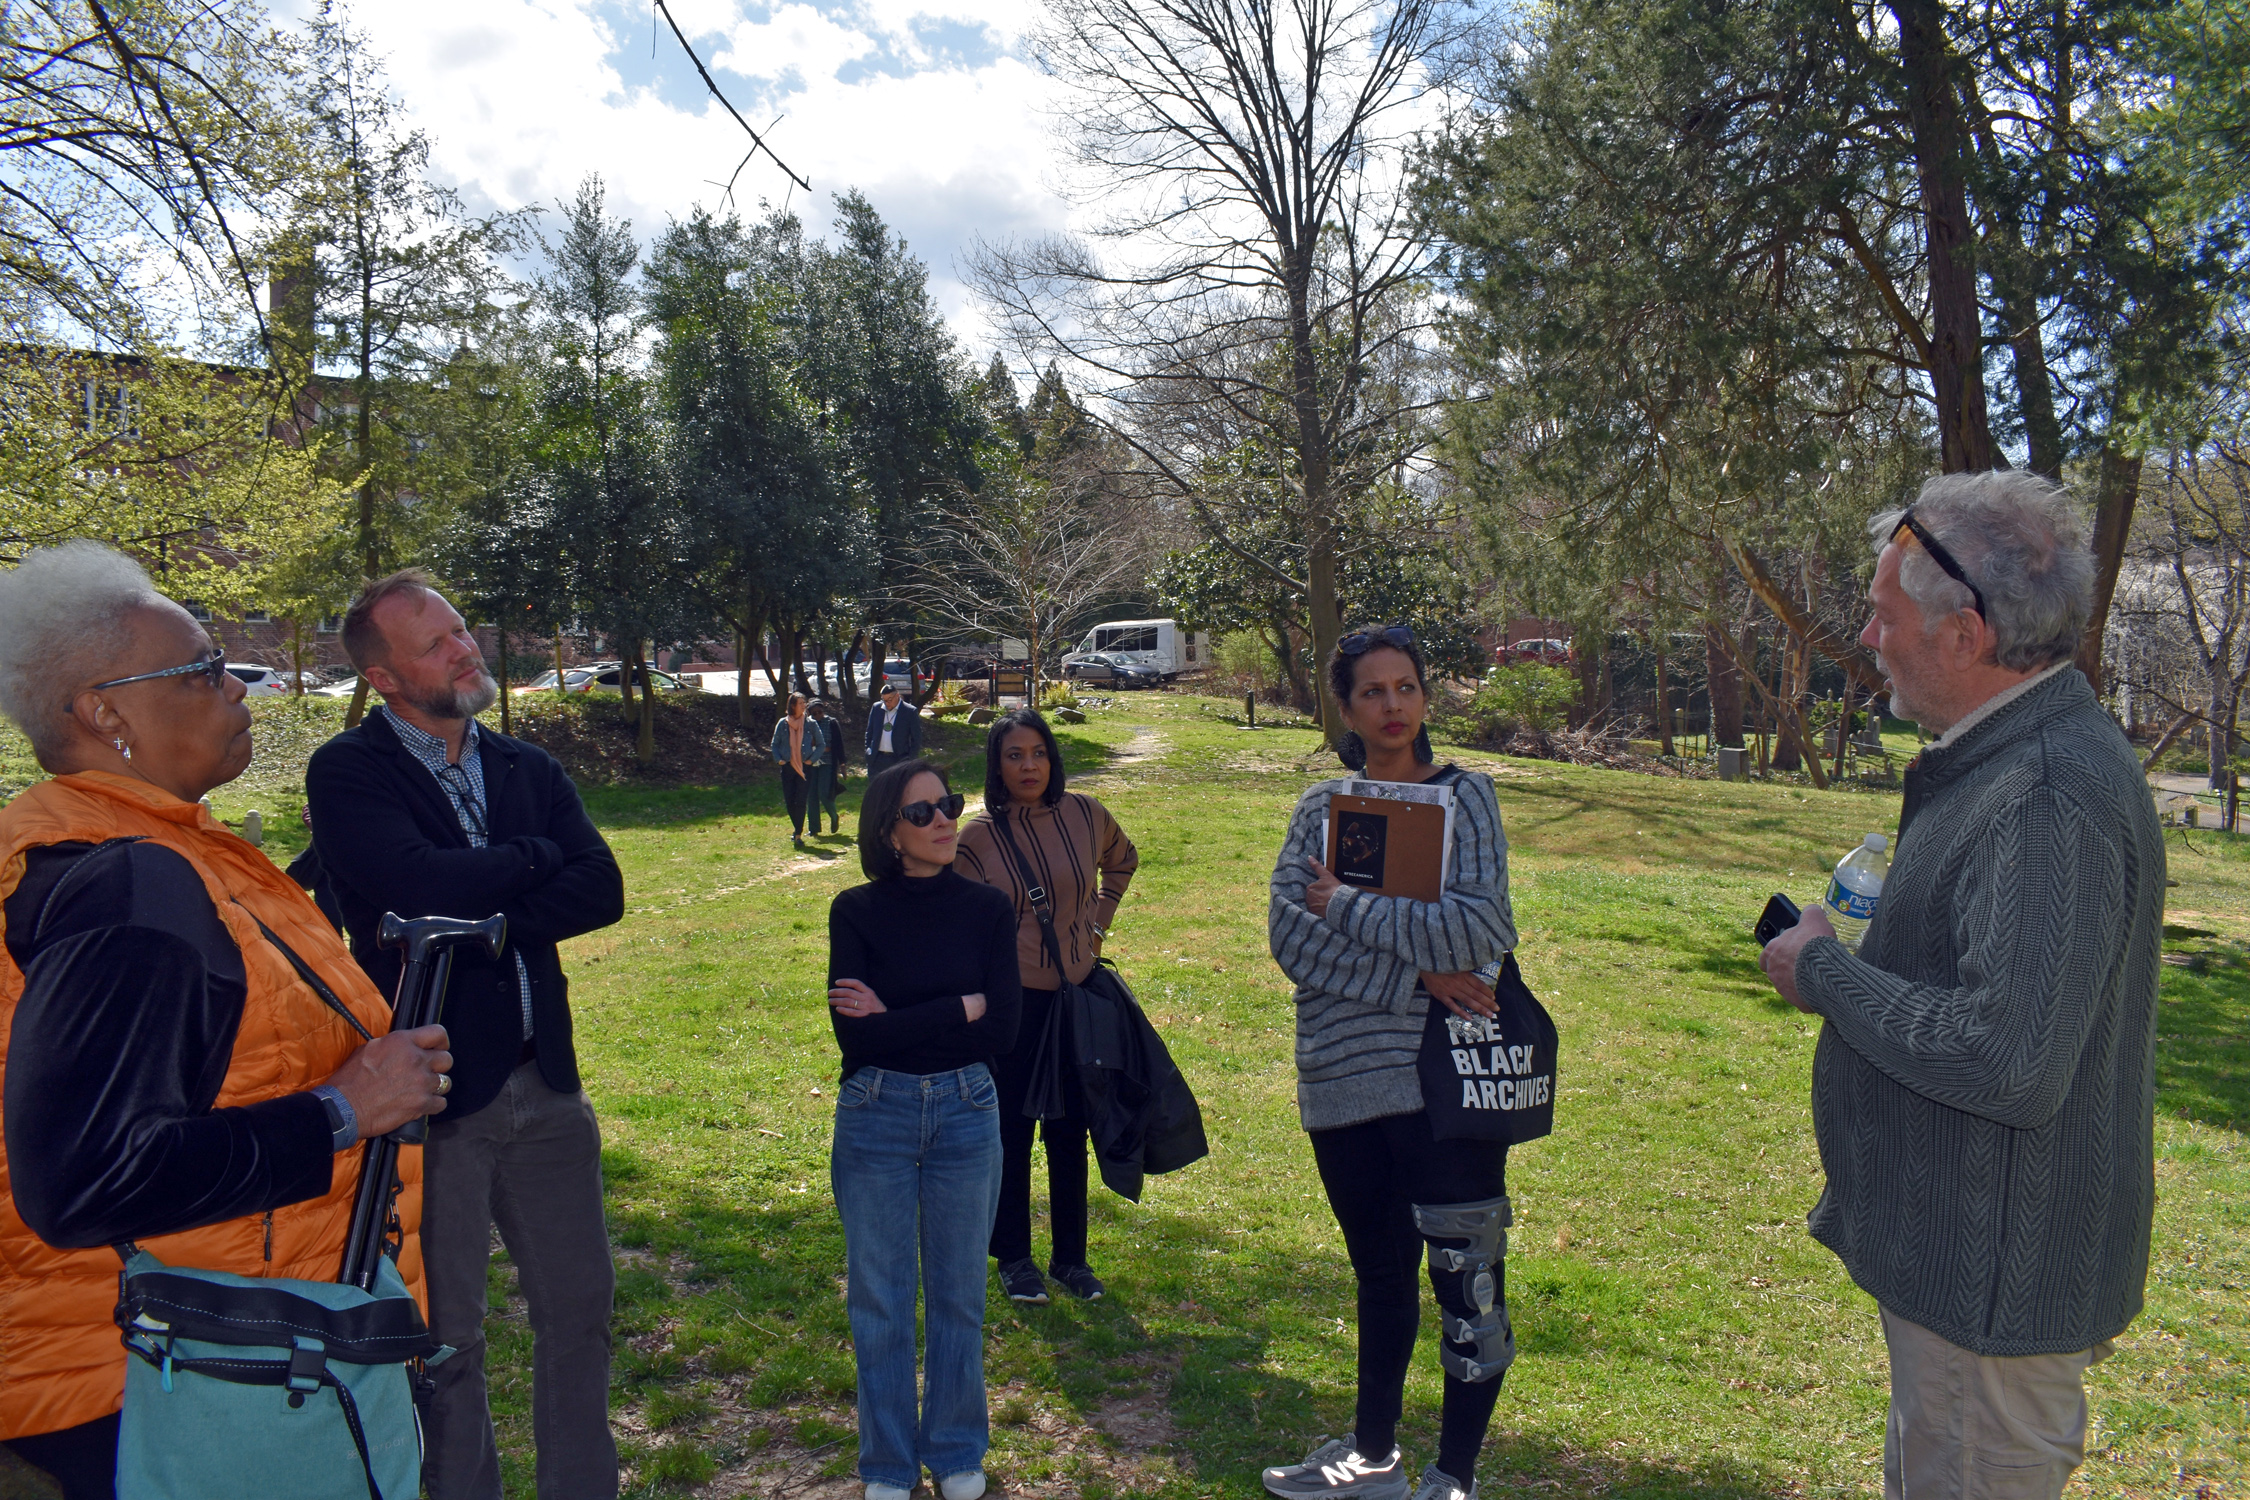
x=1680 y=1334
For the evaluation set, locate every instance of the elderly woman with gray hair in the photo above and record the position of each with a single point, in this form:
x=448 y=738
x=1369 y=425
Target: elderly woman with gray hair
x=1982 y=1091
x=169 y=1078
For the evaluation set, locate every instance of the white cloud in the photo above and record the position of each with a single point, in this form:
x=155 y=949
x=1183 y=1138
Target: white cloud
x=922 y=104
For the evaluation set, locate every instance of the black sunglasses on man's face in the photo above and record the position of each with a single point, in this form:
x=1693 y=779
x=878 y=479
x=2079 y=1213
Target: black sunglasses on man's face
x=1938 y=555
x=922 y=814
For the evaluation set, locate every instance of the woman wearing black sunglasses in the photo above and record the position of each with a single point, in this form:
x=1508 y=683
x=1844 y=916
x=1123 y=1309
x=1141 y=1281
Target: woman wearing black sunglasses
x=1368 y=969
x=924 y=994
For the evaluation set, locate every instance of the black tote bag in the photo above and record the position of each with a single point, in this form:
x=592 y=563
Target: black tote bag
x=1491 y=1078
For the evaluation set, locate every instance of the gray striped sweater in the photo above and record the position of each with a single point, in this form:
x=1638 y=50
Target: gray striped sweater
x=1984 y=1088
x=1360 y=1007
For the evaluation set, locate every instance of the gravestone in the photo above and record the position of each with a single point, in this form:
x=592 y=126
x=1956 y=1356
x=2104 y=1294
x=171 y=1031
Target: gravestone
x=1734 y=763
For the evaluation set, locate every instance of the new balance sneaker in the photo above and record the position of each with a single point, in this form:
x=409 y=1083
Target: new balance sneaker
x=1080 y=1281
x=966 y=1485
x=1438 y=1485
x=1337 y=1469
x=1021 y=1281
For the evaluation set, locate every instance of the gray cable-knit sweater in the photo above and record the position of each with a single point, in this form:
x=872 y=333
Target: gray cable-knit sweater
x=1360 y=1010
x=1984 y=1088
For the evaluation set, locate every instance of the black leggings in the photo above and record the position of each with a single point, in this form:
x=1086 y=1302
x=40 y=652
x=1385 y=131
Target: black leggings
x=1373 y=1172
x=1066 y=1154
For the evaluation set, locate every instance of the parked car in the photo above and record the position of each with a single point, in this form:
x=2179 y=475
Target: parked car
x=601 y=674
x=1547 y=652
x=1116 y=670
x=262 y=682
x=904 y=675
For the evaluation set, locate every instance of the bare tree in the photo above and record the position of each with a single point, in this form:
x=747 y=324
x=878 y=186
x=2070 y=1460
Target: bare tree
x=1250 y=164
x=1026 y=557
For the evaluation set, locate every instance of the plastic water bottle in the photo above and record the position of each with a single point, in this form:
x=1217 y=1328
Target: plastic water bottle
x=1855 y=888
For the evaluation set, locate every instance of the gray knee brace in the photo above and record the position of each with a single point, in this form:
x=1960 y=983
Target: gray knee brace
x=1485 y=1226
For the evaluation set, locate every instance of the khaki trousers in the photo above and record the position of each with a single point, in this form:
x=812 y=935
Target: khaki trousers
x=1967 y=1426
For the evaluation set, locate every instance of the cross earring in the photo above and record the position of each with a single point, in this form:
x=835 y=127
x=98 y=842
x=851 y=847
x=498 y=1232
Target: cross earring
x=123 y=748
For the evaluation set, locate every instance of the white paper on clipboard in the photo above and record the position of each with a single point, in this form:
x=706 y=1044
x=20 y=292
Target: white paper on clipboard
x=1403 y=791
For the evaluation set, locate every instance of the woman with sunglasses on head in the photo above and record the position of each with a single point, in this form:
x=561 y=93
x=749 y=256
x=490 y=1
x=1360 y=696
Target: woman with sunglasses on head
x=924 y=994
x=169 y=1077
x=1367 y=969
x=1082 y=861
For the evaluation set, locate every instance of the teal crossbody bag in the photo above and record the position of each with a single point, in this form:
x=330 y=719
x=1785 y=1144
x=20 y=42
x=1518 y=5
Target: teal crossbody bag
x=236 y=1385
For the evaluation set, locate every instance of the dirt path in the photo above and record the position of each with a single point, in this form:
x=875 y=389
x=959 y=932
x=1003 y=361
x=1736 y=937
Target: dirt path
x=1147 y=744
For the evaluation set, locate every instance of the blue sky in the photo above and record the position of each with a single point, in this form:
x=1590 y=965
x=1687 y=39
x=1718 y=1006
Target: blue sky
x=927 y=106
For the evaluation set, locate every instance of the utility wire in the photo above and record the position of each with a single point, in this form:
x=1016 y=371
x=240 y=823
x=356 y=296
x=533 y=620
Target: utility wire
x=757 y=142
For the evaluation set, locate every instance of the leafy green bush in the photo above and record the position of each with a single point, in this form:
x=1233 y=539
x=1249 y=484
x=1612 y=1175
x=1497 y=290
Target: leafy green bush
x=1525 y=696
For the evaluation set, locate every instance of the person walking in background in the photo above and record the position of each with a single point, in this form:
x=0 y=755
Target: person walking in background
x=1982 y=1090
x=1367 y=970
x=894 y=730
x=923 y=994
x=421 y=810
x=800 y=748
x=141 y=984
x=832 y=770
x=1082 y=862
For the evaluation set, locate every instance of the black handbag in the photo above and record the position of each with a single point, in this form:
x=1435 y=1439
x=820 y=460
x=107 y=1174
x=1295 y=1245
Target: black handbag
x=1490 y=1078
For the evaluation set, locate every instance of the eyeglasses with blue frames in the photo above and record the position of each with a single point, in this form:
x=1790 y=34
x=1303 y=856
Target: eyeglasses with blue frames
x=213 y=667
x=1359 y=643
x=1940 y=556
x=923 y=814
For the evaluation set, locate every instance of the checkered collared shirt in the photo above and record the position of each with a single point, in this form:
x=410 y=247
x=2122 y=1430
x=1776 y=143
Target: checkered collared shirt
x=463 y=786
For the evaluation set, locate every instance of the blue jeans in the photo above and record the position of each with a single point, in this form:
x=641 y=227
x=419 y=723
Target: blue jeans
x=916 y=1169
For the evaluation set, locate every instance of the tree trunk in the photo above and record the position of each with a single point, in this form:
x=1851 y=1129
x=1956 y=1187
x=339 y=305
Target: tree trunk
x=358 y=710
x=1858 y=663
x=1663 y=702
x=848 y=679
x=1302 y=695
x=2117 y=490
x=628 y=662
x=1933 y=106
x=1785 y=754
x=1843 y=727
x=507 y=706
x=742 y=678
x=558 y=664
x=297 y=658
x=1723 y=688
x=1327 y=629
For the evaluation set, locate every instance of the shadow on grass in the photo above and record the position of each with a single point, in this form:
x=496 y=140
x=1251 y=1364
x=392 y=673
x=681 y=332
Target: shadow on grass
x=2202 y=1046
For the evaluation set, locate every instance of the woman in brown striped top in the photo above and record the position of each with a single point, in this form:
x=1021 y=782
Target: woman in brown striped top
x=1083 y=860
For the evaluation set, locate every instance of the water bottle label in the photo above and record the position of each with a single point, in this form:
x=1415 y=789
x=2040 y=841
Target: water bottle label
x=1850 y=903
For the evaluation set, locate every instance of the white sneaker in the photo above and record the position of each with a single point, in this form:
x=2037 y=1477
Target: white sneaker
x=877 y=1490
x=966 y=1486
x=1438 y=1485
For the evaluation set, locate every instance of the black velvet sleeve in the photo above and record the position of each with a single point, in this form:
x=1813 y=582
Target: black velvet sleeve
x=133 y=993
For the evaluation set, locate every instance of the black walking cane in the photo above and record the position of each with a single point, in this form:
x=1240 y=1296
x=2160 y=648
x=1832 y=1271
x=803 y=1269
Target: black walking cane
x=429 y=943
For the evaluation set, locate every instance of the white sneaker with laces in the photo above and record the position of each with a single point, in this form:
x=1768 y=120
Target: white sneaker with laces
x=964 y=1486
x=1337 y=1470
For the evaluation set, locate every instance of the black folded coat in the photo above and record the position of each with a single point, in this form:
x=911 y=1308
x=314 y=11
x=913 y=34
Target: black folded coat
x=1100 y=1047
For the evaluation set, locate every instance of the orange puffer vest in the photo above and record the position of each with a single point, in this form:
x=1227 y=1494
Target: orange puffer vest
x=60 y=1360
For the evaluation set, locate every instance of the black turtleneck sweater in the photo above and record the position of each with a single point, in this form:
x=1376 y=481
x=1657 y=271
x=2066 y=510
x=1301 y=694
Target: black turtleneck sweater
x=920 y=945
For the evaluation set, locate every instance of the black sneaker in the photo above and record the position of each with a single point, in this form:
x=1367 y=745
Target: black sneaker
x=1020 y=1280
x=1338 y=1469
x=1080 y=1281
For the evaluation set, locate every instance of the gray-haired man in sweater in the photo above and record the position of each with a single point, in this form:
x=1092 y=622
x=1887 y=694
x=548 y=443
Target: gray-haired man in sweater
x=1983 y=1092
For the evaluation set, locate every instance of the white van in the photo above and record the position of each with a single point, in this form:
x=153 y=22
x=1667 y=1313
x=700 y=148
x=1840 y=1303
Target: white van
x=1154 y=643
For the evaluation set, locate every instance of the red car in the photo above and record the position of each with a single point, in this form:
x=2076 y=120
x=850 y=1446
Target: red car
x=1549 y=653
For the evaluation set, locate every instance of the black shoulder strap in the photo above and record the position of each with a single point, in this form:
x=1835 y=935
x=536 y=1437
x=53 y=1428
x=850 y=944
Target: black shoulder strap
x=1034 y=892
x=305 y=972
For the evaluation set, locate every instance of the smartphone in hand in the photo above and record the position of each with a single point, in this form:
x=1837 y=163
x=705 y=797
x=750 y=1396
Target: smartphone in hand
x=1780 y=915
